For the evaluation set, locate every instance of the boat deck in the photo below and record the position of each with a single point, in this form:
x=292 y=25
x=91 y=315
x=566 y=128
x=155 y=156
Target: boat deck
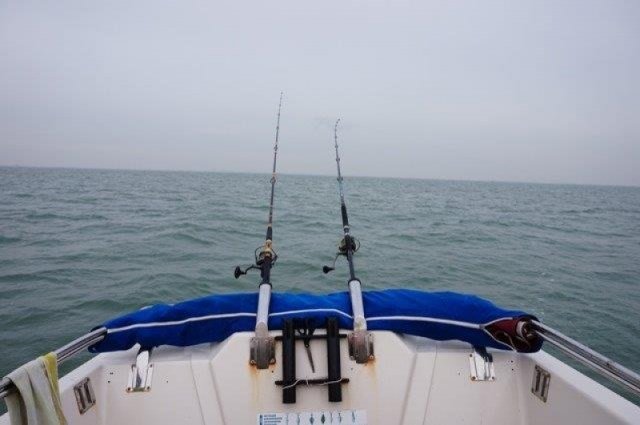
x=412 y=381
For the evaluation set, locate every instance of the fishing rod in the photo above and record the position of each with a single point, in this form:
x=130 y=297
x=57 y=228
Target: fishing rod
x=262 y=346
x=360 y=341
x=348 y=245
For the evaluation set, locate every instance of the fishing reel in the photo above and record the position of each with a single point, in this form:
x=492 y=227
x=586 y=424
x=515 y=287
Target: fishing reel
x=342 y=250
x=260 y=256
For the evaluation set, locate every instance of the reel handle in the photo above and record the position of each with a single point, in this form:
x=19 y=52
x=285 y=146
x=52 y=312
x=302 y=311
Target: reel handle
x=238 y=272
x=327 y=269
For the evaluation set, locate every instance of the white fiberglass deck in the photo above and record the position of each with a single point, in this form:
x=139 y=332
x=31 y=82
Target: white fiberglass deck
x=412 y=381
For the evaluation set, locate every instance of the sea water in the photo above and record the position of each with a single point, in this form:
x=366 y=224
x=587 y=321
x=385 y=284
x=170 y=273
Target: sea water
x=78 y=247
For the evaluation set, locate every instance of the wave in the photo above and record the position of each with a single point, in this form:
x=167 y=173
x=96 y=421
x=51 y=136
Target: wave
x=54 y=216
x=185 y=237
x=8 y=240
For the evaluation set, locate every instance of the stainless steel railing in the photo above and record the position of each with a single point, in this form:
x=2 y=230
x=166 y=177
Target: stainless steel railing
x=585 y=355
x=608 y=368
x=63 y=353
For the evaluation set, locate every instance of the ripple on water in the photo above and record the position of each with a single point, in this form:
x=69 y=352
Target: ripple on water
x=78 y=247
x=7 y=240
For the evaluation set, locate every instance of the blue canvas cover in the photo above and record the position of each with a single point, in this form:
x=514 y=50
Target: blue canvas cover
x=435 y=315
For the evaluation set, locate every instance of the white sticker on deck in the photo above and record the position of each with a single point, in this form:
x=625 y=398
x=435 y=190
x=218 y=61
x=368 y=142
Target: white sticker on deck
x=343 y=417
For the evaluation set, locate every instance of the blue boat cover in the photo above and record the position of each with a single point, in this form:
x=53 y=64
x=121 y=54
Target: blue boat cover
x=435 y=315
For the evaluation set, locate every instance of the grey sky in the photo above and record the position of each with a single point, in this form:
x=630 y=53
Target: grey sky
x=543 y=91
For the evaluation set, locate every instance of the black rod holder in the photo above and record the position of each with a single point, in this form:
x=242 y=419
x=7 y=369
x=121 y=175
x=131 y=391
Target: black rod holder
x=289 y=361
x=333 y=360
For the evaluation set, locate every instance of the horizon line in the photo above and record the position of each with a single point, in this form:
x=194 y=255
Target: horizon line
x=175 y=170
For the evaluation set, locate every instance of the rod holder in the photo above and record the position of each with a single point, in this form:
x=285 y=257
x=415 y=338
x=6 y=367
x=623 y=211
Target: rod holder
x=262 y=347
x=289 y=361
x=361 y=346
x=334 y=377
x=360 y=340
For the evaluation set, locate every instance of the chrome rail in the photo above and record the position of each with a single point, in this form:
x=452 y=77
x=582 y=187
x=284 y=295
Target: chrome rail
x=585 y=355
x=63 y=353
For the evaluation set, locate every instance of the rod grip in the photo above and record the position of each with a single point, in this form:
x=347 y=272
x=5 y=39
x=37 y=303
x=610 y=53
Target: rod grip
x=345 y=219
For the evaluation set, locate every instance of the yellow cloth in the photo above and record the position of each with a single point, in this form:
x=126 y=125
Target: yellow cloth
x=51 y=368
x=37 y=399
